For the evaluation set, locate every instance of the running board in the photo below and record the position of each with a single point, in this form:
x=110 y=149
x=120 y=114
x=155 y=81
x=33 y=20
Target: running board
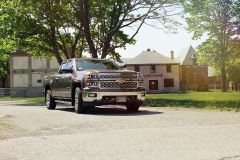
x=63 y=102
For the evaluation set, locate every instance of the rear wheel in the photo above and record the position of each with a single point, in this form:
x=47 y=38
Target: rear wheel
x=79 y=104
x=132 y=107
x=50 y=101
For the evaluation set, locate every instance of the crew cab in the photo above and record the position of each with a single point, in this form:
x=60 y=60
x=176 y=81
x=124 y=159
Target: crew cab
x=93 y=82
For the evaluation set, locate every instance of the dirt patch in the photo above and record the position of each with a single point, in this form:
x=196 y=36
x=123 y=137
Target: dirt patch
x=7 y=128
x=3 y=125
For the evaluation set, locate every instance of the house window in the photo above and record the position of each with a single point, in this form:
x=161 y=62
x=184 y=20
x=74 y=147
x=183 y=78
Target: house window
x=153 y=84
x=153 y=68
x=137 y=68
x=168 y=83
x=169 y=68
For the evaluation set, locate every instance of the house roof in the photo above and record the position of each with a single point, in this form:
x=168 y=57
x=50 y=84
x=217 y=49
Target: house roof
x=124 y=61
x=151 y=57
x=186 y=55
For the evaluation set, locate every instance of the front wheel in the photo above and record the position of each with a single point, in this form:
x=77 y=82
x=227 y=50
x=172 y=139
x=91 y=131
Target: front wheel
x=132 y=107
x=50 y=101
x=79 y=104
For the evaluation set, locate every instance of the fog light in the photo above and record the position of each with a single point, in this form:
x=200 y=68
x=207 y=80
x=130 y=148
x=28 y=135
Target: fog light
x=143 y=94
x=92 y=94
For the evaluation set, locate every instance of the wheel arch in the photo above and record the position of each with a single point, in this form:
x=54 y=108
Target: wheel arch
x=46 y=88
x=74 y=86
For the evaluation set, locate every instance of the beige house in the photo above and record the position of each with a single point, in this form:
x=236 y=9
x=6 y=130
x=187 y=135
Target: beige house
x=161 y=74
x=27 y=72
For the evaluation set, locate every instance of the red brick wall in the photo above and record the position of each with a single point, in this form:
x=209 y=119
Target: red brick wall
x=194 y=78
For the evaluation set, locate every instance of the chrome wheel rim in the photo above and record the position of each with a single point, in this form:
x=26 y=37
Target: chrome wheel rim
x=76 y=101
x=48 y=99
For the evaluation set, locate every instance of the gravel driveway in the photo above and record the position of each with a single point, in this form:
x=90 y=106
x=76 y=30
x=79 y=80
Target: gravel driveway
x=35 y=133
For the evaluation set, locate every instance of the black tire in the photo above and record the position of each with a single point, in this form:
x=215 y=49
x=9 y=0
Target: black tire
x=132 y=107
x=79 y=104
x=50 y=101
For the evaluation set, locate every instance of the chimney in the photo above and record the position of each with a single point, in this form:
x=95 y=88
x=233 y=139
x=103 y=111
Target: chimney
x=172 y=54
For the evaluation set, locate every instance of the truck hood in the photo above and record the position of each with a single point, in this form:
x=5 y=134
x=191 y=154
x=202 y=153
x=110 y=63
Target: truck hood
x=89 y=71
x=81 y=74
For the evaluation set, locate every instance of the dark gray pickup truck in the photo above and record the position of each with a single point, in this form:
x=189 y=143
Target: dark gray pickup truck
x=94 y=82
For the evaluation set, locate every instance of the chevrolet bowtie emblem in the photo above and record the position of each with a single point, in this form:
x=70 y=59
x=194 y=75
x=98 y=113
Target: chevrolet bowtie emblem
x=120 y=81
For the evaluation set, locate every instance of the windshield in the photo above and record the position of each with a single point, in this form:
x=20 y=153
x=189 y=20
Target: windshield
x=95 y=64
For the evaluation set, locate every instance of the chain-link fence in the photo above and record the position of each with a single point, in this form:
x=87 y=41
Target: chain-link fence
x=4 y=91
x=219 y=87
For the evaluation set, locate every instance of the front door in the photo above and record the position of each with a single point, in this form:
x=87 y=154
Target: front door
x=153 y=84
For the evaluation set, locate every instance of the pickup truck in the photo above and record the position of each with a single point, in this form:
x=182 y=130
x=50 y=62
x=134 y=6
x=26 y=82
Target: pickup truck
x=86 y=83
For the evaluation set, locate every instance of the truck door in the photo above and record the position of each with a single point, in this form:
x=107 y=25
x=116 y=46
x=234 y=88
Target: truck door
x=67 y=80
x=57 y=85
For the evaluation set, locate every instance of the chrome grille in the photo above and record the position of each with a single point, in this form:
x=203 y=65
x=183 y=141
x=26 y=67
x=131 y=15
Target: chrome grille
x=120 y=80
x=114 y=76
x=117 y=85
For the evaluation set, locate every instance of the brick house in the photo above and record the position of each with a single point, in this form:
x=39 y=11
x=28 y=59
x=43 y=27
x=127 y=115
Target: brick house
x=161 y=74
x=193 y=77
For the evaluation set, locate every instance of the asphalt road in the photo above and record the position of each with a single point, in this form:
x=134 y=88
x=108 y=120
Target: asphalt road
x=35 y=133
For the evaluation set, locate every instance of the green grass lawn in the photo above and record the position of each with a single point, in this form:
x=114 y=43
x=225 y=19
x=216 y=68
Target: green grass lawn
x=208 y=100
x=28 y=100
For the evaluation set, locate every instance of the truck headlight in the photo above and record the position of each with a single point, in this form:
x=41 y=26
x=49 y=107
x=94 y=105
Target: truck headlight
x=140 y=79
x=140 y=76
x=91 y=80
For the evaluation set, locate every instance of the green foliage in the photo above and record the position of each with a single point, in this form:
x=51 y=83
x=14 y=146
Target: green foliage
x=67 y=28
x=105 y=21
x=4 y=69
x=6 y=47
x=219 y=20
x=233 y=73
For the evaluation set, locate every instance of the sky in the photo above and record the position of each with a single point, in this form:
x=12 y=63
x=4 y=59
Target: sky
x=158 y=40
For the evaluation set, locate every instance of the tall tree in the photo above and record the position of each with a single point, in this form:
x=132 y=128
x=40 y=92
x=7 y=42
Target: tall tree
x=103 y=22
x=66 y=28
x=6 y=47
x=218 y=20
x=37 y=26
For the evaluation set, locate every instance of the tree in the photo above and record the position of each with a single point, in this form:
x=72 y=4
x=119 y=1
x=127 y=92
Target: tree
x=66 y=28
x=218 y=20
x=103 y=22
x=37 y=26
x=6 y=48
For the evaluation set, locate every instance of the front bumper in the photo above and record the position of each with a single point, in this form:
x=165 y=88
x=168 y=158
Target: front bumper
x=106 y=97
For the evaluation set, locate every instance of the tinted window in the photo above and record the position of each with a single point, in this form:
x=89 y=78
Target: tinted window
x=69 y=65
x=63 y=67
x=66 y=67
x=95 y=64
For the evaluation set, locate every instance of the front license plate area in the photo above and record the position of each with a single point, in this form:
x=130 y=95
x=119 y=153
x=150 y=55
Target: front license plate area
x=121 y=99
